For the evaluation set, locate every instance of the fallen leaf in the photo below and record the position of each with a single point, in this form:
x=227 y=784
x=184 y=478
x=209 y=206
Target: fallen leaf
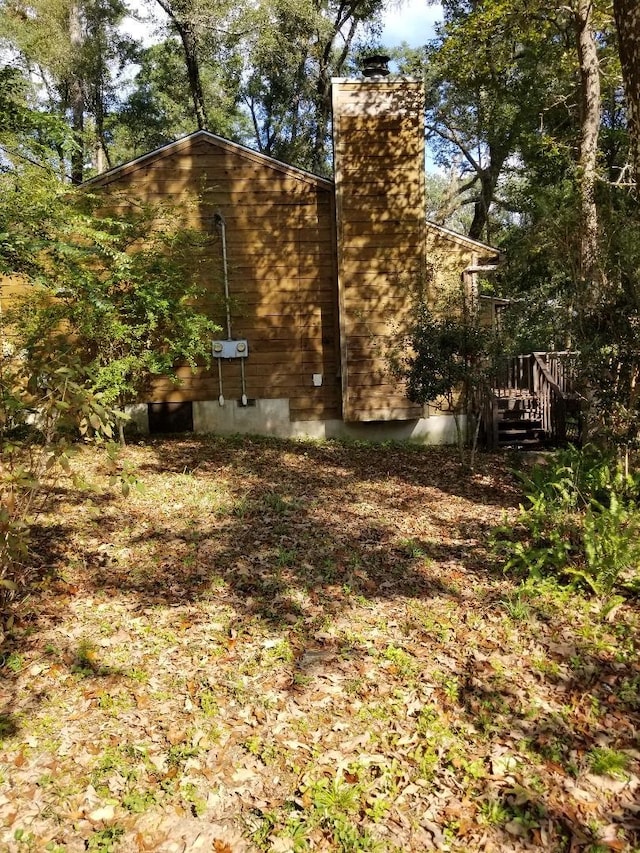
x=282 y=845
x=103 y=814
x=514 y=827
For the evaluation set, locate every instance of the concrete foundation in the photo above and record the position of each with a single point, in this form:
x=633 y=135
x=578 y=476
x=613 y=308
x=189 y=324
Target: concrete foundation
x=272 y=417
x=138 y=418
x=262 y=417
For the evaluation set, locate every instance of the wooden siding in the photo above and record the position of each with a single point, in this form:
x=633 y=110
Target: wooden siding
x=379 y=167
x=280 y=235
x=449 y=254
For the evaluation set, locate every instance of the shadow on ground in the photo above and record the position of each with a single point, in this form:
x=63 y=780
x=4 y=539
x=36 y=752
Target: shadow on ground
x=304 y=530
x=291 y=535
x=328 y=521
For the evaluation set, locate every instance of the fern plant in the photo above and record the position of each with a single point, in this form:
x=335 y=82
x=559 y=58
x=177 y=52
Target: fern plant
x=580 y=522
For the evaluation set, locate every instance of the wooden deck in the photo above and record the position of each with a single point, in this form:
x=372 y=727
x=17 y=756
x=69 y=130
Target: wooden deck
x=533 y=402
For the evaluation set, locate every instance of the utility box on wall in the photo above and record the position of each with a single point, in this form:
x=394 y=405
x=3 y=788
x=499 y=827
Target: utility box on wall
x=230 y=349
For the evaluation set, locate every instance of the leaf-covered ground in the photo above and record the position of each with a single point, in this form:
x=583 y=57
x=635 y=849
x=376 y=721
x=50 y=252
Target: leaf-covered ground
x=289 y=647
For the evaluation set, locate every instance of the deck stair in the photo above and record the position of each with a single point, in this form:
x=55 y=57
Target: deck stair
x=532 y=402
x=517 y=421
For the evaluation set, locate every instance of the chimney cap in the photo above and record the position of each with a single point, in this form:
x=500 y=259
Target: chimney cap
x=375 y=65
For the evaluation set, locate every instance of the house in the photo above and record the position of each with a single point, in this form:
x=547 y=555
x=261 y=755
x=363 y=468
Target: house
x=312 y=281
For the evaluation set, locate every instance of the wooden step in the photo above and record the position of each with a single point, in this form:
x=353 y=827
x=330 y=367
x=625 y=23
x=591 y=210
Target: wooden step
x=517 y=404
x=513 y=416
x=510 y=420
x=523 y=433
x=521 y=444
x=519 y=441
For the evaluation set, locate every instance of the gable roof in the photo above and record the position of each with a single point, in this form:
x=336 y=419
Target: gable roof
x=186 y=143
x=462 y=239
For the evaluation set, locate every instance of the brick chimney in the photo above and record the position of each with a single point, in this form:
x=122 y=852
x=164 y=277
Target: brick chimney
x=378 y=129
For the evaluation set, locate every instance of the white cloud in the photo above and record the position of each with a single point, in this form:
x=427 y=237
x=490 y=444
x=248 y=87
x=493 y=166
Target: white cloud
x=411 y=21
x=143 y=24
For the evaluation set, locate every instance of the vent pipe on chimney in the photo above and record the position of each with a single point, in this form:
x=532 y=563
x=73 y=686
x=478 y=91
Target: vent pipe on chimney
x=376 y=65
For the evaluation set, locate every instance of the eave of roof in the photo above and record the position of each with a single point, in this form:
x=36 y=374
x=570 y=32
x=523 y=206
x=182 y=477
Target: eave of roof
x=187 y=142
x=456 y=237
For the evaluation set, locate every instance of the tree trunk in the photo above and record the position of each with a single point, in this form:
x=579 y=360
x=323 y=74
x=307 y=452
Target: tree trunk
x=100 y=162
x=481 y=207
x=76 y=95
x=329 y=65
x=101 y=150
x=186 y=29
x=590 y=115
x=488 y=182
x=323 y=112
x=627 y=17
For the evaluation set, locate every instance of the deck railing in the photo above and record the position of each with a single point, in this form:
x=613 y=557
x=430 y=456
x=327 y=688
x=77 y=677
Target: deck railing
x=553 y=407
x=562 y=367
x=512 y=373
x=550 y=378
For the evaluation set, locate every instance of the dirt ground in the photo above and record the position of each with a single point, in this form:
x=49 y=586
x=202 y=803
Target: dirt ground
x=291 y=646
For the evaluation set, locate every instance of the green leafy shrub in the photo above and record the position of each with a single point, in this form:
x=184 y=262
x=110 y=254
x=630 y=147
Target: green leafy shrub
x=122 y=294
x=100 y=304
x=445 y=362
x=580 y=522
